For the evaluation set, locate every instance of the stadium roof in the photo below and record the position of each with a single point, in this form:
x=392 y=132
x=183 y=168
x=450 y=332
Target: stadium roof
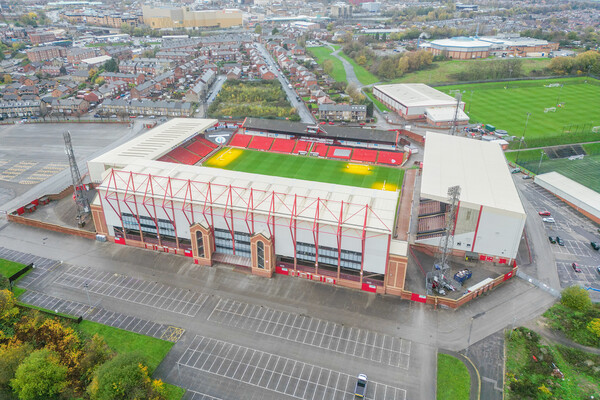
x=328 y=131
x=479 y=168
x=462 y=42
x=267 y=195
x=156 y=142
x=416 y=95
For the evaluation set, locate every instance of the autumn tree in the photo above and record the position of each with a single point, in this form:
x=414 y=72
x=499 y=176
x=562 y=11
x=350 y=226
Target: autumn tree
x=576 y=298
x=40 y=376
x=328 y=67
x=11 y=356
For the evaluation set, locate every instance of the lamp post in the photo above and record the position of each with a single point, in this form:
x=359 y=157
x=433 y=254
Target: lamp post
x=88 y=294
x=470 y=102
x=523 y=137
x=481 y=314
x=540 y=164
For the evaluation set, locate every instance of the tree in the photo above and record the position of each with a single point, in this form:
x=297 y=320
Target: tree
x=384 y=37
x=40 y=376
x=328 y=67
x=361 y=60
x=96 y=353
x=258 y=29
x=275 y=31
x=99 y=81
x=377 y=36
x=576 y=298
x=11 y=356
x=111 y=66
x=330 y=26
x=7 y=305
x=7 y=78
x=124 y=377
x=63 y=70
x=594 y=326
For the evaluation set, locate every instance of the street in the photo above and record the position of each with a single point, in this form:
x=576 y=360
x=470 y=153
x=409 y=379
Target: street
x=292 y=96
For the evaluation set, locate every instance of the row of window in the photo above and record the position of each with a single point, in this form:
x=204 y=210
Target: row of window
x=224 y=243
x=165 y=227
x=328 y=255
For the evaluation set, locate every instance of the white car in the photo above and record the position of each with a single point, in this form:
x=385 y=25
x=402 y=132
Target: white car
x=549 y=220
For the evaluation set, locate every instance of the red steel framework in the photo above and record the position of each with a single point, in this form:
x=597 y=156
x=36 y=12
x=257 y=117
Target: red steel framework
x=194 y=194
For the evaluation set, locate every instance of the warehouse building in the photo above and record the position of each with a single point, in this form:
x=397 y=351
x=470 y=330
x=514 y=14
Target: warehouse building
x=183 y=17
x=411 y=100
x=331 y=233
x=490 y=217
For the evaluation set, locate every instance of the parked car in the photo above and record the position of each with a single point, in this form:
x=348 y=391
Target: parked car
x=549 y=220
x=552 y=239
x=527 y=176
x=560 y=241
x=595 y=245
x=331 y=123
x=361 y=386
x=575 y=267
x=598 y=269
x=515 y=170
x=545 y=213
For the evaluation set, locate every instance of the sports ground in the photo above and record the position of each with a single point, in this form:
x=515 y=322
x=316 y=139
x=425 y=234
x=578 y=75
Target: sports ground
x=506 y=104
x=308 y=168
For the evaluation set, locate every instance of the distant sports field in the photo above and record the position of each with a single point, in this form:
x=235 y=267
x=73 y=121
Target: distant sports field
x=308 y=168
x=506 y=104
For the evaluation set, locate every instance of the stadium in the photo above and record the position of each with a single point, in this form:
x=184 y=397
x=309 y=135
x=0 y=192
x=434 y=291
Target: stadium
x=325 y=203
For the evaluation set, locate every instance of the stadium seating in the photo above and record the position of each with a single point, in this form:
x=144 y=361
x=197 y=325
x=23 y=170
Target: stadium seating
x=283 y=145
x=200 y=148
x=364 y=155
x=433 y=224
x=184 y=156
x=320 y=148
x=166 y=158
x=390 y=157
x=240 y=140
x=342 y=152
x=301 y=145
x=431 y=208
x=261 y=143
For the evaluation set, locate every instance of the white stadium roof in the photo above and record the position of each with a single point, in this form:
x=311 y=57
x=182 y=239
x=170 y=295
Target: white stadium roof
x=478 y=167
x=466 y=42
x=445 y=114
x=571 y=191
x=416 y=95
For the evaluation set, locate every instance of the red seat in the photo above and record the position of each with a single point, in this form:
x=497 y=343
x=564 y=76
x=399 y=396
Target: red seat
x=184 y=156
x=321 y=149
x=301 y=145
x=390 y=157
x=261 y=143
x=332 y=150
x=283 y=145
x=240 y=140
x=364 y=155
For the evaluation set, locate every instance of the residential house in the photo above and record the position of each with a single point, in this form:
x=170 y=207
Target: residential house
x=196 y=93
x=64 y=89
x=19 y=108
x=147 y=107
x=342 y=112
x=70 y=106
x=45 y=53
x=136 y=79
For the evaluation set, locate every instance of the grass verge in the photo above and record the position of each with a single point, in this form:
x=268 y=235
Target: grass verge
x=453 y=379
x=9 y=268
x=362 y=74
x=377 y=103
x=323 y=53
x=573 y=324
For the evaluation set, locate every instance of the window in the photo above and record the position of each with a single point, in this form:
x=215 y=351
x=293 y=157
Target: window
x=200 y=243
x=328 y=255
x=260 y=254
x=224 y=243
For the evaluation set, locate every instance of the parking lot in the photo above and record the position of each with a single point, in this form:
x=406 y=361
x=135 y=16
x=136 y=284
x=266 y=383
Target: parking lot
x=282 y=375
x=576 y=231
x=122 y=287
x=326 y=335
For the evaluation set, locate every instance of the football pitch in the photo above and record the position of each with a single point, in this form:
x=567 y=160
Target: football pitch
x=585 y=171
x=506 y=105
x=308 y=168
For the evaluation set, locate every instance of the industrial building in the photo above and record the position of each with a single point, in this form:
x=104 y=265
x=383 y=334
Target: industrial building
x=490 y=218
x=184 y=17
x=466 y=48
x=459 y=48
x=412 y=100
x=332 y=233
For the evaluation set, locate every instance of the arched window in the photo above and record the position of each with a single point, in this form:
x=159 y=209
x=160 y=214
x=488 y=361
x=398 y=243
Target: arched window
x=260 y=253
x=200 y=243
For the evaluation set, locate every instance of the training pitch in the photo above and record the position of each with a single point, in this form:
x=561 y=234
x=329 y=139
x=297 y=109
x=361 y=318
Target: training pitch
x=585 y=171
x=556 y=106
x=308 y=168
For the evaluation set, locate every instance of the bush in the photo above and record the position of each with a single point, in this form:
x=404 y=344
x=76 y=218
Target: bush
x=40 y=376
x=11 y=356
x=576 y=298
x=124 y=377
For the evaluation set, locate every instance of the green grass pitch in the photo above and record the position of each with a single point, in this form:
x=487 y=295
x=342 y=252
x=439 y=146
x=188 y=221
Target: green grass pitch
x=308 y=168
x=506 y=104
x=585 y=172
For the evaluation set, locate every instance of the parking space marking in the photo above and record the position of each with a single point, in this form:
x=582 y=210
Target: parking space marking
x=127 y=288
x=587 y=277
x=314 y=332
x=193 y=395
x=276 y=373
x=36 y=275
x=15 y=170
x=100 y=315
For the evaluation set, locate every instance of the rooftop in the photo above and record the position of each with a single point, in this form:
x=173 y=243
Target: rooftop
x=416 y=95
x=478 y=167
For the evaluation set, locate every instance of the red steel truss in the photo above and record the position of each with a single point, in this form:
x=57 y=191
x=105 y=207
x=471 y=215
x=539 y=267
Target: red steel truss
x=194 y=198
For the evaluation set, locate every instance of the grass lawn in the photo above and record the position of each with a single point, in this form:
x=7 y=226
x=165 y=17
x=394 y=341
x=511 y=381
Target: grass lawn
x=529 y=369
x=377 y=103
x=323 y=53
x=453 y=379
x=506 y=104
x=445 y=71
x=123 y=341
x=586 y=171
x=9 y=268
x=307 y=168
x=362 y=74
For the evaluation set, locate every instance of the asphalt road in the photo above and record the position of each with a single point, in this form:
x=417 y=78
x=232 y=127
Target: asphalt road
x=299 y=105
